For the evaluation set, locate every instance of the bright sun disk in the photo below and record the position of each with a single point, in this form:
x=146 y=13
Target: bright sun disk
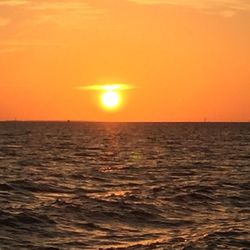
x=110 y=99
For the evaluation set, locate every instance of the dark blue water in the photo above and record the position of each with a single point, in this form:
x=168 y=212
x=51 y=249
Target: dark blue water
x=124 y=186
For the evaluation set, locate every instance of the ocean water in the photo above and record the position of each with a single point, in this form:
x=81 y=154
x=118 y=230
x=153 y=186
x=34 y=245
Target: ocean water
x=124 y=186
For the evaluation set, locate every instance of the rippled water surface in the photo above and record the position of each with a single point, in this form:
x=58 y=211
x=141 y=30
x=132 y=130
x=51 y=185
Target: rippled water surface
x=124 y=186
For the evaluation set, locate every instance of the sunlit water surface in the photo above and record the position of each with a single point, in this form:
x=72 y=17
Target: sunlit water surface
x=124 y=186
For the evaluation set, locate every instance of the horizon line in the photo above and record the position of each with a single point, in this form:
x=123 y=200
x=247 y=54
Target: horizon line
x=99 y=121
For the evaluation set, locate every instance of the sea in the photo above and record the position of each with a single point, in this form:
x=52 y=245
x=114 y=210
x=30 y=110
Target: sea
x=107 y=186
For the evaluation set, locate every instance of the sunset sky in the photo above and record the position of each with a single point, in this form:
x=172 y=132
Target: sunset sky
x=187 y=60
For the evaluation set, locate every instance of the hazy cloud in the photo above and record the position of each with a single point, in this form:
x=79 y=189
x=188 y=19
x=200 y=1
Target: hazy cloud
x=9 y=50
x=48 y=10
x=13 y=2
x=73 y=5
x=226 y=8
x=46 y=5
x=25 y=18
x=117 y=86
x=64 y=13
x=9 y=46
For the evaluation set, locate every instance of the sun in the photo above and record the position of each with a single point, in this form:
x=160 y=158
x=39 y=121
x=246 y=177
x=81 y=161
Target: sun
x=111 y=99
x=111 y=96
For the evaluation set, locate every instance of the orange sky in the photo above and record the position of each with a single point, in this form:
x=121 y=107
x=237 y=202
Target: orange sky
x=188 y=59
